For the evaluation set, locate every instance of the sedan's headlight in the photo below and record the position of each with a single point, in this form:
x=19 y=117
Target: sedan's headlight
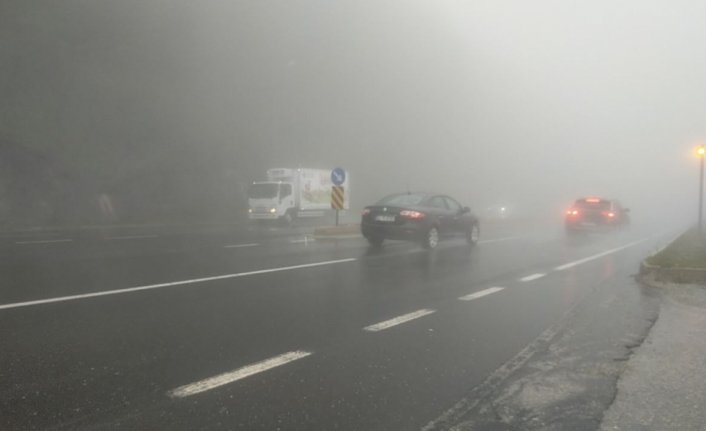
x=273 y=210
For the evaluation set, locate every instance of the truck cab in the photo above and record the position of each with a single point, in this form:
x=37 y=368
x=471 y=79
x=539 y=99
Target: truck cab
x=271 y=200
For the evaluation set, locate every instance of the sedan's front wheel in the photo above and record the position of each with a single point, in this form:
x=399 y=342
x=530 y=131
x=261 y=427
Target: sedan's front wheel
x=473 y=234
x=431 y=239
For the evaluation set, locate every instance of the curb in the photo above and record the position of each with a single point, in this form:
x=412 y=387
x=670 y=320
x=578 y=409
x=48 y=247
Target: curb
x=342 y=230
x=672 y=275
x=336 y=237
x=347 y=231
x=654 y=275
x=95 y=227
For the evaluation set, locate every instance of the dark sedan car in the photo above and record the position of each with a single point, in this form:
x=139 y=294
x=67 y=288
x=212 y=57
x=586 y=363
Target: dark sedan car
x=421 y=217
x=596 y=214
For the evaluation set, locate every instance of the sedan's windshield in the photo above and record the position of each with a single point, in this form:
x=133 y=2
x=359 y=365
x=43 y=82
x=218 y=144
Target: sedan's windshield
x=402 y=199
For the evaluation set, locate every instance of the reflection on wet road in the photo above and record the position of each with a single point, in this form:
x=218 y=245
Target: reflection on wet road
x=251 y=331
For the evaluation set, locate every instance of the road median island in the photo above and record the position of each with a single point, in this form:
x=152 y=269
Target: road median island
x=683 y=261
x=337 y=232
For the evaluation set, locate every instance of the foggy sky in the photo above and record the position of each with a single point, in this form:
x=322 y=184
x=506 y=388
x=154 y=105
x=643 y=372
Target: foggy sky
x=526 y=103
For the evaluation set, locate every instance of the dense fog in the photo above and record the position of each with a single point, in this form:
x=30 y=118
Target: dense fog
x=168 y=109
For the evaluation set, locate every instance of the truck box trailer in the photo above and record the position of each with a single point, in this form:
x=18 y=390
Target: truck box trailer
x=291 y=193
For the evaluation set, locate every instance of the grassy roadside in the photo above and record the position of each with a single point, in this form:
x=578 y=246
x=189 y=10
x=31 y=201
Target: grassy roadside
x=687 y=251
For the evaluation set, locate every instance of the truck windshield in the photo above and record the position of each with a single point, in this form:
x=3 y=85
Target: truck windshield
x=263 y=191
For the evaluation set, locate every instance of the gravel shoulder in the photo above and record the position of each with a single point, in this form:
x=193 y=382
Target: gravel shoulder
x=662 y=387
x=569 y=380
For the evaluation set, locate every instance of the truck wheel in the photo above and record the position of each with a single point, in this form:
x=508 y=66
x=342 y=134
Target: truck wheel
x=287 y=218
x=431 y=238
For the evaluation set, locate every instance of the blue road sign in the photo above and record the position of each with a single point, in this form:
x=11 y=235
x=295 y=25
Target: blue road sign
x=338 y=176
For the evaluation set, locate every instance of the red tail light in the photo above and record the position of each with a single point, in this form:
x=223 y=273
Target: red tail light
x=412 y=215
x=366 y=211
x=609 y=214
x=572 y=212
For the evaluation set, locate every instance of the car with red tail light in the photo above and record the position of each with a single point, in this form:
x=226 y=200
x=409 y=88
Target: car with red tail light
x=426 y=218
x=596 y=214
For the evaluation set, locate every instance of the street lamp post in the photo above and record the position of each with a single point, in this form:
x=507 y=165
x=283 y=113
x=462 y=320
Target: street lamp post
x=701 y=152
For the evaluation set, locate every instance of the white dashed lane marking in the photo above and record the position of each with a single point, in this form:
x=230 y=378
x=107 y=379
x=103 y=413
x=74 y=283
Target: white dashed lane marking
x=584 y=260
x=398 y=320
x=233 y=376
x=599 y=255
x=118 y=238
x=241 y=245
x=45 y=241
x=533 y=277
x=481 y=294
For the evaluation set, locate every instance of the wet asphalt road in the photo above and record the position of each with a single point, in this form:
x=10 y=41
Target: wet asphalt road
x=267 y=329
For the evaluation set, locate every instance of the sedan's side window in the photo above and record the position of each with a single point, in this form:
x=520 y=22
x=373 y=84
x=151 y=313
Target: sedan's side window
x=452 y=204
x=438 y=202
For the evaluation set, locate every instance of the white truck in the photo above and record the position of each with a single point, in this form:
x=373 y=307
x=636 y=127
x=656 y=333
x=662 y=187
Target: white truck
x=291 y=193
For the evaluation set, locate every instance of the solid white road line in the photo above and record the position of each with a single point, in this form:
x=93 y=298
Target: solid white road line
x=305 y=240
x=241 y=245
x=240 y=373
x=44 y=241
x=508 y=238
x=599 y=255
x=117 y=238
x=170 y=284
x=398 y=320
x=481 y=294
x=346 y=236
x=532 y=277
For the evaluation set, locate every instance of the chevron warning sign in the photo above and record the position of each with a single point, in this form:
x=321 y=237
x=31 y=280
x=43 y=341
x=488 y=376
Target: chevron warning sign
x=337 y=197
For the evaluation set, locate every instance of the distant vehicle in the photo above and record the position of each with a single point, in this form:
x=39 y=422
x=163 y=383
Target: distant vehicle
x=291 y=193
x=596 y=214
x=420 y=217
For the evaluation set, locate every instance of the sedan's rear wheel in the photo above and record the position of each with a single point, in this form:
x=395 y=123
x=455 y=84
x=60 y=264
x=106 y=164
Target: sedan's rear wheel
x=375 y=241
x=431 y=239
